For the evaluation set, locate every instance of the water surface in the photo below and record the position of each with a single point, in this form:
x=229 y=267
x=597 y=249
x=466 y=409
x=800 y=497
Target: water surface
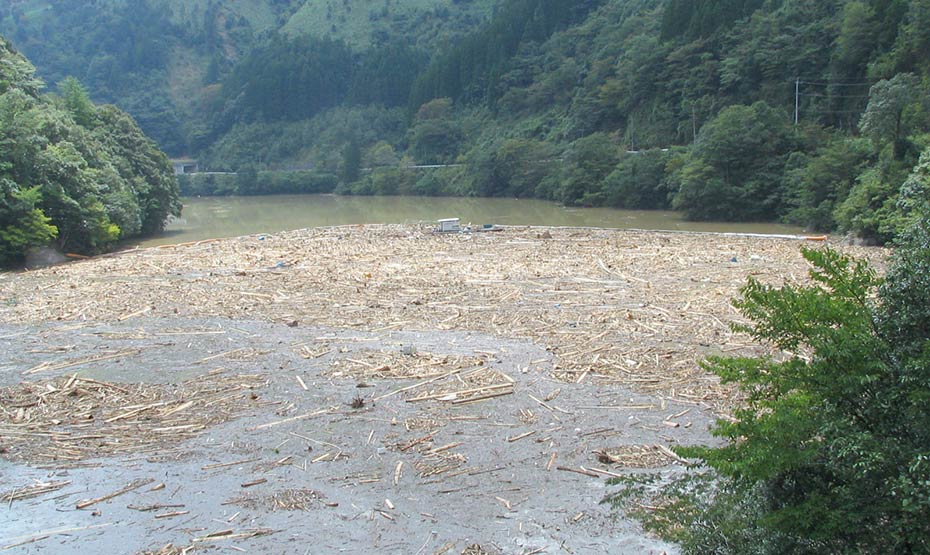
x=212 y=217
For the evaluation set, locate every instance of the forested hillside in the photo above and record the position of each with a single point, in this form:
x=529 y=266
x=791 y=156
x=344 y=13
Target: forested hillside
x=812 y=112
x=164 y=60
x=72 y=173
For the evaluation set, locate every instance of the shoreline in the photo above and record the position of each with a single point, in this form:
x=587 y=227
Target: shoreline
x=825 y=238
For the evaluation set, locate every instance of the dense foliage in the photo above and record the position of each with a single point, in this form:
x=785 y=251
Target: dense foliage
x=81 y=175
x=124 y=51
x=293 y=79
x=829 y=451
x=811 y=112
x=471 y=69
x=164 y=61
x=251 y=182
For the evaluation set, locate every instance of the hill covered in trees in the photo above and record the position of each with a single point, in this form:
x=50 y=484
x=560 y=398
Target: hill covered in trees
x=79 y=175
x=164 y=61
x=812 y=112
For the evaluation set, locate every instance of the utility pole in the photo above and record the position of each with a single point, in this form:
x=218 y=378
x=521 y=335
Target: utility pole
x=693 y=125
x=797 y=95
x=632 y=134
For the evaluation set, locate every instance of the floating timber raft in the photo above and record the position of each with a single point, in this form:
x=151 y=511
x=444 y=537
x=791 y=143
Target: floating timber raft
x=639 y=308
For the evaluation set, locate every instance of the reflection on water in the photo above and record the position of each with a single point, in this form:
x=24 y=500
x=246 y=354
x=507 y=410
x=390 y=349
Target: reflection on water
x=207 y=218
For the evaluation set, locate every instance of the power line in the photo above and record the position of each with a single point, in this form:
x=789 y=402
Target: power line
x=829 y=84
x=820 y=95
x=798 y=94
x=832 y=111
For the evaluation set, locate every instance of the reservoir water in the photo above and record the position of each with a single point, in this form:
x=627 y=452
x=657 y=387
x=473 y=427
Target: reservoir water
x=213 y=217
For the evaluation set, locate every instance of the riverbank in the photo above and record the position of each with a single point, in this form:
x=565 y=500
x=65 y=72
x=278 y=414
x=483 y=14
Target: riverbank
x=496 y=379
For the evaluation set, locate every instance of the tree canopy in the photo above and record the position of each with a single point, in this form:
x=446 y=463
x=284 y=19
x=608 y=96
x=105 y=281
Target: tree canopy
x=829 y=452
x=80 y=175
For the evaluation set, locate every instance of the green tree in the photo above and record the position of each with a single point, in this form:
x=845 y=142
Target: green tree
x=735 y=169
x=435 y=137
x=884 y=119
x=638 y=181
x=831 y=443
x=856 y=41
x=914 y=195
x=247 y=181
x=145 y=168
x=877 y=208
x=469 y=70
x=381 y=154
x=437 y=108
x=508 y=167
x=77 y=102
x=351 y=161
x=16 y=72
x=85 y=186
x=22 y=225
x=818 y=183
x=700 y=18
x=585 y=165
x=869 y=211
x=913 y=37
x=70 y=199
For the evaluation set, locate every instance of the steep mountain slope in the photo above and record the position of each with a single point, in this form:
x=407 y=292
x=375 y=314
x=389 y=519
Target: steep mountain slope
x=360 y=23
x=162 y=60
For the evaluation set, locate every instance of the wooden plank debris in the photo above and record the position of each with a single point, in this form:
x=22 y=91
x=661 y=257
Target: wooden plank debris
x=304 y=416
x=230 y=534
x=48 y=367
x=45 y=534
x=132 y=486
x=482 y=397
x=171 y=514
x=213 y=466
x=34 y=490
x=520 y=436
x=397 y=472
x=578 y=471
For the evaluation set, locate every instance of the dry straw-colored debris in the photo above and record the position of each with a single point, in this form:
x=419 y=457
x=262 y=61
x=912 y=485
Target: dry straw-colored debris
x=202 y=543
x=434 y=463
x=287 y=500
x=476 y=549
x=636 y=456
x=629 y=307
x=391 y=365
x=69 y=419
x=171 y=549
x=444 y=378
x=32 y=490
x=425 y=422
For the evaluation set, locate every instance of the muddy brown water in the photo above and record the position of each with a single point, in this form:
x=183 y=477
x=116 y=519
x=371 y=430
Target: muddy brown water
x=212 y=217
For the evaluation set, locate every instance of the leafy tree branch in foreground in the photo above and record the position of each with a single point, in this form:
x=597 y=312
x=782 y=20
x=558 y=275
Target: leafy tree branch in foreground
x=830 y=452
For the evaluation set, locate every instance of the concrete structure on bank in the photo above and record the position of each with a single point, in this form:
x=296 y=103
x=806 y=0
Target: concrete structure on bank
x=185 y=165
